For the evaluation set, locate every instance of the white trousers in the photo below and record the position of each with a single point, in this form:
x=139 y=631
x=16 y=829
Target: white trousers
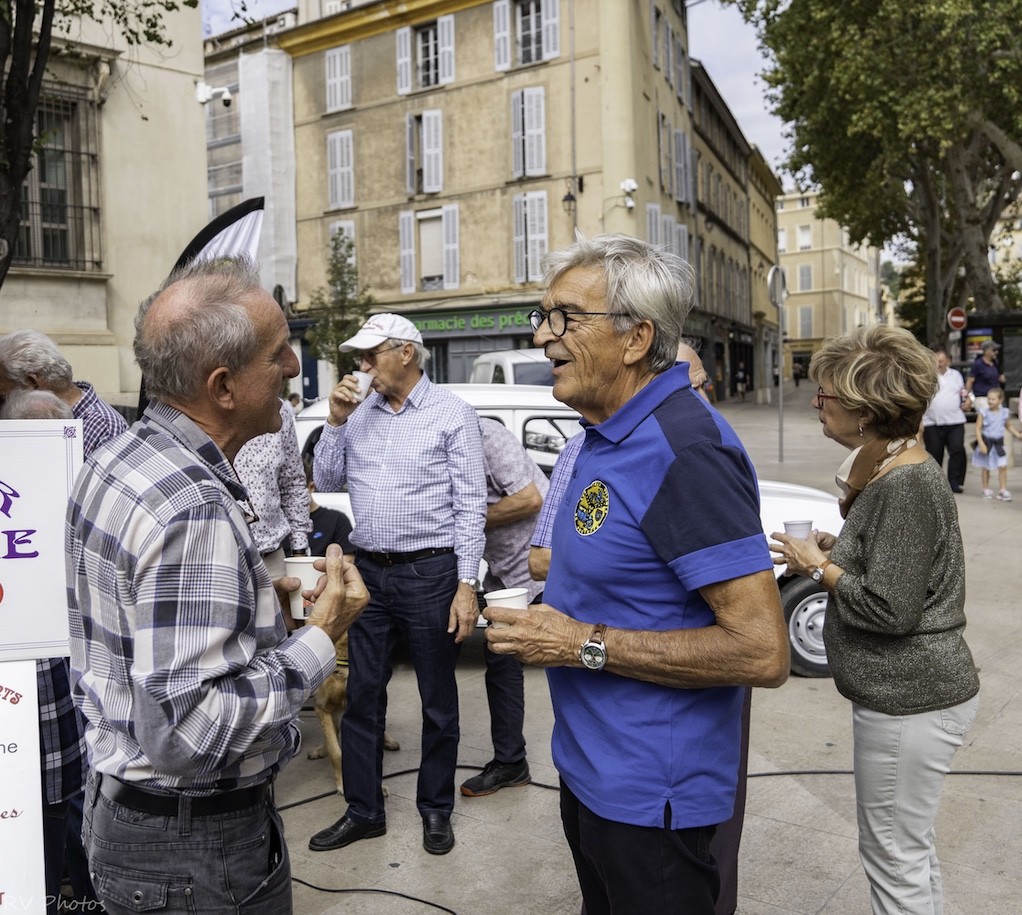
x=900 y=764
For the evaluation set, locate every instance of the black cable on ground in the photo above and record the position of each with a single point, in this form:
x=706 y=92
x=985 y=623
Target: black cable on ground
x=326 y=889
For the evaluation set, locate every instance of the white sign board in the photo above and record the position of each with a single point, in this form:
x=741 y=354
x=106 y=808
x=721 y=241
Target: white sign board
x=39 y=460
x=22 y=881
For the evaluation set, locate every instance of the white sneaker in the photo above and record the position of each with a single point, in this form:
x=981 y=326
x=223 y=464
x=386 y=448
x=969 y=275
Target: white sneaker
x=1004 y=495
x=988 y=493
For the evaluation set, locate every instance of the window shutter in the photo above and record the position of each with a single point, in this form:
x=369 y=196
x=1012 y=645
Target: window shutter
x=519 y=238
x=432 y=151
x=679 y=70
x=340 y=169
x=653 y=223
x=654 y=22
x=406 y=241
x=345 y=227
x=679 y=166
x=452 y=255
x=681 y=241
x=344 y=77
x=551 y=29
x=332 y=61
x=668 y=53
x=445 y=42
x=535 y=216
x=404 y=60
x=517 y=135
x=411 y=124
x=501 y=35
x=535 y=131
x=667 y=234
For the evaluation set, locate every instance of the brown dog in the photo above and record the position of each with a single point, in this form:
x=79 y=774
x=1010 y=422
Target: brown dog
x=331 y=700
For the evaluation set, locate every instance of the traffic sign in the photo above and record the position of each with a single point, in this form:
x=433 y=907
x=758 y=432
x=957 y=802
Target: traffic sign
x=956 y=319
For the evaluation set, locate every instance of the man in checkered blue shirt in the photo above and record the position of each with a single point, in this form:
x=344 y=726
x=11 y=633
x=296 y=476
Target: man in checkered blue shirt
x=411 y=455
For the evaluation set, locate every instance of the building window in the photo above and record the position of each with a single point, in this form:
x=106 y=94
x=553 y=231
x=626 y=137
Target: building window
x=530 y=236
x=429 y=239
x=805 y=277
x=805 y=238
x=431 y=48
x=782 y=241
x=803 y=202
x=680 y=166
x=656 y=17
x=528 y=132
x=340 y=169
x=345 y=227
x=525 y=31
x=805 y=321
x=338 y=78
x=60 y=224
x=681 y=241
x=424 y=144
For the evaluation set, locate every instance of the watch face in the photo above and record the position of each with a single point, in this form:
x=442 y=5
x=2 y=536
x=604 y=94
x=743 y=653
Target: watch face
x=593 y=656
x=817 y=575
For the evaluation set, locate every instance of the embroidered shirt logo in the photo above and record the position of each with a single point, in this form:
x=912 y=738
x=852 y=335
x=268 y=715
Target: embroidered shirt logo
x=592 y=508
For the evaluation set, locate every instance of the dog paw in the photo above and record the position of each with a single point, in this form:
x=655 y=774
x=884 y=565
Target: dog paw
x=389 y=743
x=317 y=753
x=386 y=793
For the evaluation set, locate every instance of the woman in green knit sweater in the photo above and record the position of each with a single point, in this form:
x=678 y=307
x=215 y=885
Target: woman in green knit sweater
x=896 y=615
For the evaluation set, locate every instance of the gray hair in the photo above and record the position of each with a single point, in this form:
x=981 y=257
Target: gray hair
x=34 y=403
x=28 y=352
x=210 y=329
x=421 y=353
x=644 y=283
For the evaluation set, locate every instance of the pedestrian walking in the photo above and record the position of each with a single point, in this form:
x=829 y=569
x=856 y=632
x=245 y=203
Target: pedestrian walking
x=989 y=452
x=944 y=421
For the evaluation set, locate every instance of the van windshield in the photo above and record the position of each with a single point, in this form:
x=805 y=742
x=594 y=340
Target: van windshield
x=534 y=373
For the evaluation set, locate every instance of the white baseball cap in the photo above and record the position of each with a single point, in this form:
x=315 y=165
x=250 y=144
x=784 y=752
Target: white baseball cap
x=380 y=328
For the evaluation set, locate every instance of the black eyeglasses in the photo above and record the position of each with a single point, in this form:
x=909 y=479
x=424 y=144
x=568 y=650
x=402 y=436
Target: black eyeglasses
x=370 y=356
x=558 y=319
x=821 y=397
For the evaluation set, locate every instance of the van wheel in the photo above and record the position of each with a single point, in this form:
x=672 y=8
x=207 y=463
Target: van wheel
x=805 y=607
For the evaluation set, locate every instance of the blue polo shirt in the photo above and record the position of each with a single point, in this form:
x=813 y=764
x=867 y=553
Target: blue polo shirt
x=662 y=500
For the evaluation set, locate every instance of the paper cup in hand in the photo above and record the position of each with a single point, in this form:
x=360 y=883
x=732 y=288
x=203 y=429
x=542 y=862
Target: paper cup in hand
x=798 y=529
x=510 y=598
x=301 y=567
x=364 y=380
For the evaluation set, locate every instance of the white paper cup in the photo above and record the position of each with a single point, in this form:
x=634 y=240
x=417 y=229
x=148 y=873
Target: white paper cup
x=364 y=380
x=301 y=567
x=798 y=529
x=511 y=598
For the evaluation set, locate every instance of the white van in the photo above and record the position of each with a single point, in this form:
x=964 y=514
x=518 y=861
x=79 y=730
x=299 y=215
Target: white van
x=512 y=366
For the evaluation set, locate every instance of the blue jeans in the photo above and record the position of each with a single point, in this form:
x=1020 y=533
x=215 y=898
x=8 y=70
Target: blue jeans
x=233 y=862
x=505 y=695
x=411 y=600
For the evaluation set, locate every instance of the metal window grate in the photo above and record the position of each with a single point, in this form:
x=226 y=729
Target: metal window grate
x=60 y=217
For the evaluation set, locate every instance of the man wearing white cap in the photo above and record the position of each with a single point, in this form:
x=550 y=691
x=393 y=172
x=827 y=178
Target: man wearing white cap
x=411 y=457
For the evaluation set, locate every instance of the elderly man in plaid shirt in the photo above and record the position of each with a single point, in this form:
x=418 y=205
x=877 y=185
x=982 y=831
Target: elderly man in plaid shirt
x=182 y=662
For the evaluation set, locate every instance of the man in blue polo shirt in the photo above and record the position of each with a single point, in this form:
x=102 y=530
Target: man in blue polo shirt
x=661 y=600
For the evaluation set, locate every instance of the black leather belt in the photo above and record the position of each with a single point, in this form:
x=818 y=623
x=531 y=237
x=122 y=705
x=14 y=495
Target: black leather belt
x=167 y=805
x=394 y=559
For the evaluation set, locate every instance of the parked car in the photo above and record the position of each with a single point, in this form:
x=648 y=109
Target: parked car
x=512 y=366
x=544 y=424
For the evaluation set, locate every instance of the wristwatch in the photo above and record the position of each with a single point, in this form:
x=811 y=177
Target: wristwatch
x=818 y=573
x=474 y=583
x=593 y=653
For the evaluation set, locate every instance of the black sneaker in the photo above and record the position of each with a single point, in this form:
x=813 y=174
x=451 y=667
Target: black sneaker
x=497 y=775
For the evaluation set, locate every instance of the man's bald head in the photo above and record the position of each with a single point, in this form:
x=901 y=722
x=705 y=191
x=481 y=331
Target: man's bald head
x=198 y=320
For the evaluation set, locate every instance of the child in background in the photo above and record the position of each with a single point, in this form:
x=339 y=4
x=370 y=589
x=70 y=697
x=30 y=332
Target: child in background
x=990 y=453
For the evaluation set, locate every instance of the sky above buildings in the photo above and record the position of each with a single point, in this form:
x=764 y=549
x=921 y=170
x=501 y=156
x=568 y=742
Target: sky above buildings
x=718 y=37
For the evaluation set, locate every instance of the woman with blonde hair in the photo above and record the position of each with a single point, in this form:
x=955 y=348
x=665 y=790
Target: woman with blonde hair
x=896 y=615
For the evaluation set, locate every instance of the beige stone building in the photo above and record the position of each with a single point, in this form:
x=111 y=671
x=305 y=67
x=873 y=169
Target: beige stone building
x=116 y=192
x=833 y=285
x=458 y=142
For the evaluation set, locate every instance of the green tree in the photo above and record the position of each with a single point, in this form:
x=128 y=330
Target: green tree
x=907 y=116
x=341 y=308
x=28 y=29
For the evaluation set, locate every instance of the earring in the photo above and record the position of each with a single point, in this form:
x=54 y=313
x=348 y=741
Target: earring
x=860 y=430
